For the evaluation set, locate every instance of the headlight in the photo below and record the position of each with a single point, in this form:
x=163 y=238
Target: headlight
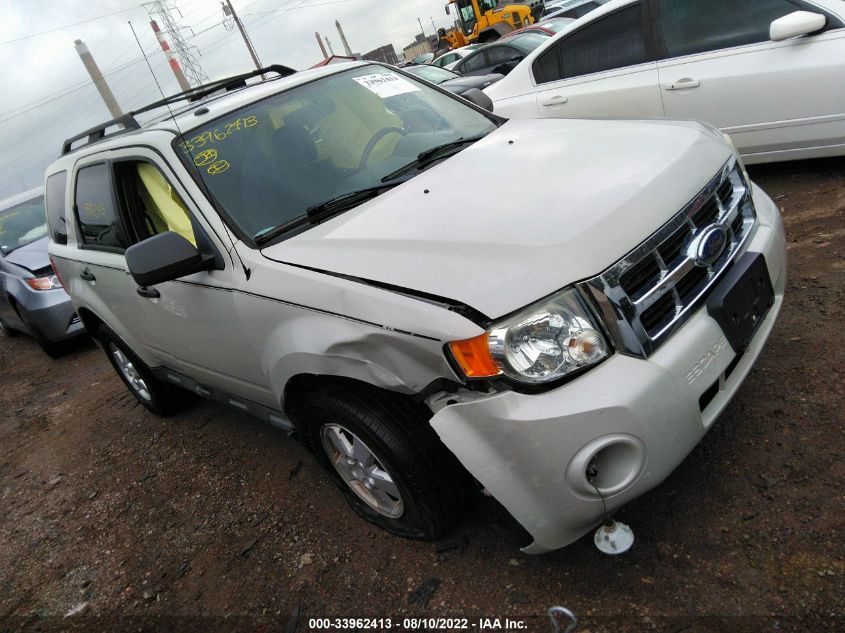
x=51 y=282
x=542 y=343
x=739 y=162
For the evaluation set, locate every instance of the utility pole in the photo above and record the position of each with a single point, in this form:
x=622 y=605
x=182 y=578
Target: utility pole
x=98 y=79
x=322 y=46
x=171 y=58
x=229 y=11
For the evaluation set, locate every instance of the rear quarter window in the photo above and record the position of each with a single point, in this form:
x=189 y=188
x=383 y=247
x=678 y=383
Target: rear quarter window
x=54 y=200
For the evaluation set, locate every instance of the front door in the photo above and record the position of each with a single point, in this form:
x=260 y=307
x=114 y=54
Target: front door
x=769 y=96
x=192 y=324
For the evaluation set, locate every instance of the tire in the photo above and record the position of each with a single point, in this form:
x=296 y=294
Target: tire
x=429 y=487
x=156 y=395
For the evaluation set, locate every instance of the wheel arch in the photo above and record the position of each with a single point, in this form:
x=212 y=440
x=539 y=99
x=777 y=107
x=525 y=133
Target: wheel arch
x=90 y=320
x=300 y=384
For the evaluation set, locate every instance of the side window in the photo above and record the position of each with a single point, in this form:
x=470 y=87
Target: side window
x=613 y=41
x=150 y=203
x=54 y=198
x=708 y=25
x=472 y=63
x=95 y=208
x=500 y=54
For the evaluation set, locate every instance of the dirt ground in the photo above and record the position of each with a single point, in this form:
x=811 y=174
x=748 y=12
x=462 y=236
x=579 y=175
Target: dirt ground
x=213 y=521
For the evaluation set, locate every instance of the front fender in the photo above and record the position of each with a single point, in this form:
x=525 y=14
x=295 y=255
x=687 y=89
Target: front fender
x=324 y=345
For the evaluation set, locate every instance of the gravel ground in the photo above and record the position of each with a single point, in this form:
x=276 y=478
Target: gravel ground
x=212 y=521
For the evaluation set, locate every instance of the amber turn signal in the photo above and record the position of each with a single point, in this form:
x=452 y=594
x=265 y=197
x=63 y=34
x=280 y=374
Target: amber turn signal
x=473 y=357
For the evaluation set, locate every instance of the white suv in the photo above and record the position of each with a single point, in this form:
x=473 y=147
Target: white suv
x=429 y=294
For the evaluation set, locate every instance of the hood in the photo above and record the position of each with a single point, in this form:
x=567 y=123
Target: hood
x=529 y=209
x=462 y=84
x=33 y=256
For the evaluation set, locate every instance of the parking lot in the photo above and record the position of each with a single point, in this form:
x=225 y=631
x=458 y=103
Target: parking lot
x=212 y=521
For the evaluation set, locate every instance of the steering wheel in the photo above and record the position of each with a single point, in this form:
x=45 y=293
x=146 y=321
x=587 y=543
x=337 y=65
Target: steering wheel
x=371 y=144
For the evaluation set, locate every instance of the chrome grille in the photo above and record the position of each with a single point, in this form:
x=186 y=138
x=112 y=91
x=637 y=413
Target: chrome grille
x=650 y=292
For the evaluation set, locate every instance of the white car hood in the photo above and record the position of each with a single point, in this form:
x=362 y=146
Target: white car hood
x=534 y=206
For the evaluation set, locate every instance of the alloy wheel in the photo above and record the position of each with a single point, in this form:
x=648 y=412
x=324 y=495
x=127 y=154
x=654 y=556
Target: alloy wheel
x=362 y=471
x=130 y=372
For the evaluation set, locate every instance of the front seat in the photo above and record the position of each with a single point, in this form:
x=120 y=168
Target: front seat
x=280 y=187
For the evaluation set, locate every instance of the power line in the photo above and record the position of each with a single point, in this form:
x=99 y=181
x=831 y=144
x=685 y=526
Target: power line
x=65 y=26
x=300 y=6
x=42 y=101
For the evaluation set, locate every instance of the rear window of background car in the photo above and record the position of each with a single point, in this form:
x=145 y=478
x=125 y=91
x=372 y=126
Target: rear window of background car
x=54 y=198
x=613 y=41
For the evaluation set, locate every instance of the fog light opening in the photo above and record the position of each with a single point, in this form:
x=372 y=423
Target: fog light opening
x=613 y=467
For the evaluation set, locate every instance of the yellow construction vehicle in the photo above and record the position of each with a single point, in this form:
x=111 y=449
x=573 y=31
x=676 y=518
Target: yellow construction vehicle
x=486 y=20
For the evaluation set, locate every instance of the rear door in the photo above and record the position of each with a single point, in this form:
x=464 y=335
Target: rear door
x=769 y=96
x=99 y=277
x=605 y=68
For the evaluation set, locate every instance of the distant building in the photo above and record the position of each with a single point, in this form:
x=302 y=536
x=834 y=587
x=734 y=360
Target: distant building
x=420 y=45
x=385 y=54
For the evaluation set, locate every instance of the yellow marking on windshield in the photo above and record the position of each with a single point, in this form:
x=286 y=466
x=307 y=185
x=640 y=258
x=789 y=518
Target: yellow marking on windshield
x=218 y=168
x=205 y=157
x=218 y=134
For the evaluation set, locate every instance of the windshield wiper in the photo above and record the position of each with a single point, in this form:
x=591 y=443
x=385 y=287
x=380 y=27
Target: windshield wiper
x=319 y=212
x=432 y=154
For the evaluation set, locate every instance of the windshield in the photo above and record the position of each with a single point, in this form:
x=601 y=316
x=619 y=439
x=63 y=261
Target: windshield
x=22 y=224
x=268 y=163
x=433 y=74
x=466 y=16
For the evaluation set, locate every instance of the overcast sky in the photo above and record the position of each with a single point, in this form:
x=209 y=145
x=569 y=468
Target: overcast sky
x=48 y=95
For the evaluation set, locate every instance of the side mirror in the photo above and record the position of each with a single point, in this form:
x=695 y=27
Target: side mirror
x=447 y=10
x=796 y=24
x=474 y=95
x=165 y=257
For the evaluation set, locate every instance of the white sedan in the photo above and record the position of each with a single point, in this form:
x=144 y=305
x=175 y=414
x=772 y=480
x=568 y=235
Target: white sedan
x=771 y=73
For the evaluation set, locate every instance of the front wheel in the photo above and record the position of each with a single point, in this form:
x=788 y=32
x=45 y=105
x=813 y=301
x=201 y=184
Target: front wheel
x=387 y=460
x=154 y=394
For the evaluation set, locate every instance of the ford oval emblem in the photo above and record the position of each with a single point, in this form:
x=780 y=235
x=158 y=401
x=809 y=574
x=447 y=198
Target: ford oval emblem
x=709 y=245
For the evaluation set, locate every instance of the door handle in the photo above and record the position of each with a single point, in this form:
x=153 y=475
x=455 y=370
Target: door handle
x=87 y=275
x=556 y=100
x=149 y=293
x=683 y=84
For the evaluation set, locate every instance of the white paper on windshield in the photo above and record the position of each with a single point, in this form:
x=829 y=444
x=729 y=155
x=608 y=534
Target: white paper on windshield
x=386 y=85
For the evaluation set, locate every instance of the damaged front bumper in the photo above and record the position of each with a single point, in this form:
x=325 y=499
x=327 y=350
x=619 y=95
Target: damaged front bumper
x=635 y=419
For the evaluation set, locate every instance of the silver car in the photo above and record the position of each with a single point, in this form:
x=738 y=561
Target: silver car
x=32 y=299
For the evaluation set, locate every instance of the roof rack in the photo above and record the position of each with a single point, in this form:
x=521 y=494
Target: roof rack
x=130 y=123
